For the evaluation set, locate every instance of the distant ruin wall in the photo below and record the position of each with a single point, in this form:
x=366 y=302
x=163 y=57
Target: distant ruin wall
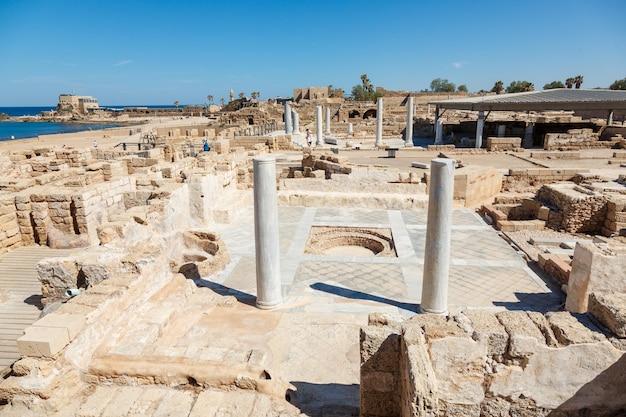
x=573 y=209
x=576 y=139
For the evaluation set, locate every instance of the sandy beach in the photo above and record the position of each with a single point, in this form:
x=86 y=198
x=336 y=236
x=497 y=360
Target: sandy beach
x=106 y=138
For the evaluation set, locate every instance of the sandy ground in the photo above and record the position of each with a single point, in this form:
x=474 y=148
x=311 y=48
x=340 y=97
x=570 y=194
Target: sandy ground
x=106 y=138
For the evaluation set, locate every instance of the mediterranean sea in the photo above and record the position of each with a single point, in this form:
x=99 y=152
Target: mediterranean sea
x=10 y=130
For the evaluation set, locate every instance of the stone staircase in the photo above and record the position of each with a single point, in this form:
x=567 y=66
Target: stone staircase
x=127 y=401
x=20 y=290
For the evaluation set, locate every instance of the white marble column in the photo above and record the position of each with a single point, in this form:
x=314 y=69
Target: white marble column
x=327 y=131
x=379 y=122
x=528 y=136
x=501 y=131
x=609 y=119
x=439 y=132
x=438 y=236
x=266 y=239
x=296 y=121
x=320 y=135
x=408 y=140
x=479 y=129
x=288 y=126
x=350 y=130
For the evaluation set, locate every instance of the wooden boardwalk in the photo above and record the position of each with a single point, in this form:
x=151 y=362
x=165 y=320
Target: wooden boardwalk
x=20 y=297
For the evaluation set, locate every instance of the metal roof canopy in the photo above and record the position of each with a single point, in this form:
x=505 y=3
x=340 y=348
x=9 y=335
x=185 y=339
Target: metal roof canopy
x=556 y=99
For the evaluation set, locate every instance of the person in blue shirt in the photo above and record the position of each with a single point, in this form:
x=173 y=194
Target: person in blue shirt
x=206 y=145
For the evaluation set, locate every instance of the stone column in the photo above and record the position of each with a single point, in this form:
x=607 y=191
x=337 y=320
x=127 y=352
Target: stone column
x=350 y=130
x=408 y=140
x=438 y=236
x=379 y=122
x=479 y=129
x=439 y=132
x=528 y=136
x=288 y=127
x=320 y=135
x=501 y=131
x=609 y=119
x=266 y=240
x=327 y=131
x=296 y=121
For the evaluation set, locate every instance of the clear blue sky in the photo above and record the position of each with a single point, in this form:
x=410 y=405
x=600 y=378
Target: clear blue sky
x=126 y=52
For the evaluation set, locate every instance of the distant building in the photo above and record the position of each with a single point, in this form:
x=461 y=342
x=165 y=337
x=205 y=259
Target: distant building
x=79 y=104
x=311 y=93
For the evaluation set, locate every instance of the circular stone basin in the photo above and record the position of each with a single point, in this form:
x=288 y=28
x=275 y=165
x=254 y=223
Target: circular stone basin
x=349 y=250
x=350 y=241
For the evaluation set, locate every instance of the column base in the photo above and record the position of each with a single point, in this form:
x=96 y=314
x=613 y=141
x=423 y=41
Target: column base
x=423 y=310
x=267 y=305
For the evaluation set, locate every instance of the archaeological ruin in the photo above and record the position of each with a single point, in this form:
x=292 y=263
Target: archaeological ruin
x=426 y=255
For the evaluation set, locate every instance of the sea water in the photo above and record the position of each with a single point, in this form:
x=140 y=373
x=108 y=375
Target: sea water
x=22 y=130
x=10 y=129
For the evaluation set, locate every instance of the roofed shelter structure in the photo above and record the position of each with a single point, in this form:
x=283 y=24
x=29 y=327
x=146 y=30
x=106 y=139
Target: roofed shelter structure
x=544 y=100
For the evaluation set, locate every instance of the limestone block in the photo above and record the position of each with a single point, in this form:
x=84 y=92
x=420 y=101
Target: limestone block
x=610 y=309
x=417 y=377
x=487 y=327
x=437 y=326
x=570 y=330
x=379 y=349
x=42 y=341
x=72 y=323
x=318 y=174
x=57 y=275
x=458 y=366
x=518 y=322
x=545 y=380
x=593 y=271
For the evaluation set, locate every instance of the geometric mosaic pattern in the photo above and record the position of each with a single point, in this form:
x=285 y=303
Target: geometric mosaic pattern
x=485 y=271
x=507 y=287
x=376 y=279
x=478 y=243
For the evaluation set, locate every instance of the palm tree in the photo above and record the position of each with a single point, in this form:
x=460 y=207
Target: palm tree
x=570 y=82
x=242 y=95
x=253 y=94
x=498 y=87
x=366 y=83
x=222 y=101
x=210 y=98
x=176 y=104
x=578 y=80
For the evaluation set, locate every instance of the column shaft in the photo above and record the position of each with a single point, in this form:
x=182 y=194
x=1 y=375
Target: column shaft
x=408 y=139
x=320 y=135
x=288 y=126
x=328 y=120
x=379 y=122
x=479 y=129
x=296 y=121
x=438 y=235
x=266 y=239
x=439 y=132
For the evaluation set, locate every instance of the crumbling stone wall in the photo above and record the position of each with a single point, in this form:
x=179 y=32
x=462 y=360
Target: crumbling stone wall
x=574 y=209
x=615 y=223
x=576 y=139
x=10 y=236
x=481 y=363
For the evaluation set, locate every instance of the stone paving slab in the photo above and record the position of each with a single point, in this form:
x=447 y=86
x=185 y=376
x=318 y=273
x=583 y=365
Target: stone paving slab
x=485 y=270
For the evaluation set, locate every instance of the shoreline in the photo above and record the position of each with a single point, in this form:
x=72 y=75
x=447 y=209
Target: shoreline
x=105 y=138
